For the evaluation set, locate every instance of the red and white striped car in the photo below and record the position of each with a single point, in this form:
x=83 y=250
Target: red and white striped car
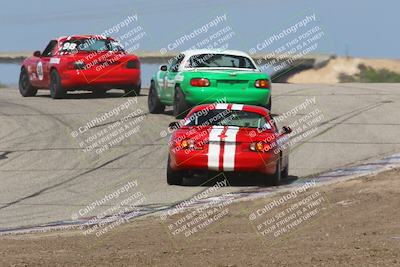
x=228 y=138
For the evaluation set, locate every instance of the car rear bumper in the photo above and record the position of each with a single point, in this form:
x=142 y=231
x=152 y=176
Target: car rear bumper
x=117 y=78
x=251 y=96
x=248 y=161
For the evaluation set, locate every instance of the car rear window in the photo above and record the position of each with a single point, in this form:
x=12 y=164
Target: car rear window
x=220 y=61
x=90 y=44
x=225 y=117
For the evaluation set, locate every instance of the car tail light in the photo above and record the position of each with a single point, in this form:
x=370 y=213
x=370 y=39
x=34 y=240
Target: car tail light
x=133 y=64
x=260 y=146
x=200 y=82
x=264 y=83
x=188 y=144
x=79 y=65
x=185 y=144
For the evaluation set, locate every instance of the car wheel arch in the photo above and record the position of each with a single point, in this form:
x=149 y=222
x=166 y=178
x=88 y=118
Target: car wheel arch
x=25 y=87
x=154 y=83
x=24 y=68
x=177 y=86
x=53 y=68
x=284 y=159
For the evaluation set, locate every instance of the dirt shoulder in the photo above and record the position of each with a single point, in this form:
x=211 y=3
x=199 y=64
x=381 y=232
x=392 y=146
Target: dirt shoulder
x=357 y=224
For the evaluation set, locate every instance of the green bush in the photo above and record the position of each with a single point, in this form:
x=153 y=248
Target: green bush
x=345 y=78
x=2 y=85
x=371 y=75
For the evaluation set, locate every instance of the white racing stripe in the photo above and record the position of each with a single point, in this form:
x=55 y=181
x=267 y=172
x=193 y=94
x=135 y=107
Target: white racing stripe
x=230 y=149
x=221 y=106
x=230 y=144
x=237 y=107
x=214 y=148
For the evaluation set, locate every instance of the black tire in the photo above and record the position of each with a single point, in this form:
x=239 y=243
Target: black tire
x=56 y=90
x=285 y=172
x=173 y=177
x=275 y=179
x=134 y=90
x=153 y=101
x=25 y=87
x=181 y=107
x=269 y=105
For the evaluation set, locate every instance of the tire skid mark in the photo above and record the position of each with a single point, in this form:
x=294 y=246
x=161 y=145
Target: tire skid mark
x=151 y=209
x=355 y=86
x=78 y=148
x=145 y=210
x=31 y=133
x=291 y=93
x=330 y=95
x=133 y=167
x=111 y=122
x=350 y=115
x=353 y=142
x=46 y=189
x=20 y=125
x=333 y=176
x=4 y=154
x=73 y=178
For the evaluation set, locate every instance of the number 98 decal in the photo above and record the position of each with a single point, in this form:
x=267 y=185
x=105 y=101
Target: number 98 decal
x=69 y=46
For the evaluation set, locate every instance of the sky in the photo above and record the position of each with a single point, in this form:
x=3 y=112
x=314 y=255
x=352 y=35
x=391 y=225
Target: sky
x=360 y=28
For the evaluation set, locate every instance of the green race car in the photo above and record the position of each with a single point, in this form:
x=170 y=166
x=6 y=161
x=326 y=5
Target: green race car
x=208 y=76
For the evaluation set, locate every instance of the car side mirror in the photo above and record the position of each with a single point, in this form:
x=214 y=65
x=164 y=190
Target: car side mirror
x=174 y=125
x=37 y=54
x=286 y=130
x=163 y=68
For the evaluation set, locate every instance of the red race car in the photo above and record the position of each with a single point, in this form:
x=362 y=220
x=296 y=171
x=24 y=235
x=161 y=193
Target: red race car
x=228 y=138
x=82 y=62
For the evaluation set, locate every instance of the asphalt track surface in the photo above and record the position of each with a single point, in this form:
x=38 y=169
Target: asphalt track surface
x=46 y=177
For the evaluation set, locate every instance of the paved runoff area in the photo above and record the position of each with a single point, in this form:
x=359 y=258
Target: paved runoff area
x=64 y=160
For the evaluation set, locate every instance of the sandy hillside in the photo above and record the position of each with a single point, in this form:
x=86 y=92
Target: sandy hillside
x=330 y=72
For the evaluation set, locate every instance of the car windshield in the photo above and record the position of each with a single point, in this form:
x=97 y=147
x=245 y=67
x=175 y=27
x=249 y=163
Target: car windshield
x=90 y=44
x=219 y=61
x=225 y=117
